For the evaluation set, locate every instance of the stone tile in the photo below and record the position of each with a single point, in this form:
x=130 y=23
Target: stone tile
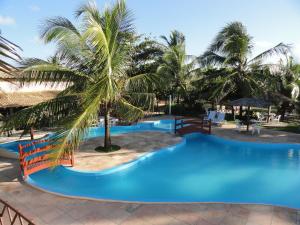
x=54 y=210
x=183 y=213
x=132 y=220
x=152 y=215
x=202 y=222
x=64 y=220
x=133 y=146
x=239 y=211
x=259 y=218
x=233 y=220
x=284 y=216
x=111 y=212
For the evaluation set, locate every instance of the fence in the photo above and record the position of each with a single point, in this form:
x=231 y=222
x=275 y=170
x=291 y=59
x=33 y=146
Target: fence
x=11 y=216
x=35 y=156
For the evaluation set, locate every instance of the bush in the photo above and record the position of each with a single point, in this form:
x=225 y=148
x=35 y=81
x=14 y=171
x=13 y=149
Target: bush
x=186 y=110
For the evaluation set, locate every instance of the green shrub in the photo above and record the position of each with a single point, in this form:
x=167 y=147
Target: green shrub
x=186 y=110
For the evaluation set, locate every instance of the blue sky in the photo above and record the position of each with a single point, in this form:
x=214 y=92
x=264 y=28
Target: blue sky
x=269 y=22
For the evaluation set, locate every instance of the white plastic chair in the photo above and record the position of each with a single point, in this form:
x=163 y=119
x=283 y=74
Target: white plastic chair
x=256 y=127
x=101 y=121
x=276 y=118
x=114 y=121
x=238 y=125
x=211 y=115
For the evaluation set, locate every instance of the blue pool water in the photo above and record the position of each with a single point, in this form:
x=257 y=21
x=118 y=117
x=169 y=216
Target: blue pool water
x=202 y=168
x=160 y=125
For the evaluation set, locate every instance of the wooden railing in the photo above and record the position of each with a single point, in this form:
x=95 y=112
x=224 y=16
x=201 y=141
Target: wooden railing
x=192 y=125
x=38 y=158
x=11 y=216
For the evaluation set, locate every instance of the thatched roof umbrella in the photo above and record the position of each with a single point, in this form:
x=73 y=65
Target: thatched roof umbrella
x=251 y=102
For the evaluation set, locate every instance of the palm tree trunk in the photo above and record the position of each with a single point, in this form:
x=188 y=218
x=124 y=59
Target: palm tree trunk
x=283 y=109
x=31 y=133
x=107 y=139
x=241 y=111
x=213 y=105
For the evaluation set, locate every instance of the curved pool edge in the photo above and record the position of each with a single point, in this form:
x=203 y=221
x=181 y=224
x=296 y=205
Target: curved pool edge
x=149 y=154
x=5 y=153
x=130 y=163
x=146 y=155
x=149 y=202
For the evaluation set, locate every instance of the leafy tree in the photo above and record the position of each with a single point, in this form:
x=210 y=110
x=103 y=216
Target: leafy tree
x=234 y=74
x=146 y=56
x=177 y=68
x=93 y=62
x=285 y=85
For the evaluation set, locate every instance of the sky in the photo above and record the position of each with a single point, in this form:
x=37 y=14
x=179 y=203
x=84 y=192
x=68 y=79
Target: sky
x=269 y=22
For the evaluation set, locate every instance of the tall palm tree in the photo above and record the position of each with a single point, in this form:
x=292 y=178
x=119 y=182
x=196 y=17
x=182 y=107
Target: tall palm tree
x=93 y=63
x=237 y=74
x=285 y=84
x=8 y=50
x=177 y=67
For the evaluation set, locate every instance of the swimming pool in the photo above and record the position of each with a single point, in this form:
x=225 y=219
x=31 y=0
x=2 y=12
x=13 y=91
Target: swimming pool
x=203 y=168
x=159 y=125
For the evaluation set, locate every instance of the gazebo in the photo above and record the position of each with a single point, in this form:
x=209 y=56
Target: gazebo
x=252 y=102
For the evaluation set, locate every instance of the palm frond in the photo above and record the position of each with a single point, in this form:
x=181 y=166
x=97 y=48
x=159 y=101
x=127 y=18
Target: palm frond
x=280 y=49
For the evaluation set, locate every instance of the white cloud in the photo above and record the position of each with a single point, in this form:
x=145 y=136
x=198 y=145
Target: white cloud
x=263 y=44
x=6 y=20
x=37 y=40
x=34 y=8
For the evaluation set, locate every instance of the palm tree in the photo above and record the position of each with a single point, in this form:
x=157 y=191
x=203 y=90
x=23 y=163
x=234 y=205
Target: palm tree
x=285 y=84
x=235 y=73
x=93 y=62
x=8 y=50
x=177 y=68
x=146 y=56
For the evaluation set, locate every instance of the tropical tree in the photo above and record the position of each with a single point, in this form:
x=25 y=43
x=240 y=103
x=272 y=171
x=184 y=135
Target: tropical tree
x=285 y=85
x=146 y=56
x=235 y=74
x=8 y=50
x=93 y=63
x=177 y=68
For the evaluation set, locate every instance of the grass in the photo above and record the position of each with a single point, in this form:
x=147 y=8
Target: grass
x=112 y=148
x=291 y=127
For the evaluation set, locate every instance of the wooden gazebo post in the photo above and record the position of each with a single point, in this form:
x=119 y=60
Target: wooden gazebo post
x=248 y=118
x=269 y=112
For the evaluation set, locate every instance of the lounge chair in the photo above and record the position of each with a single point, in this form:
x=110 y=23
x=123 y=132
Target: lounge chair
x=211 y=115
x=219 y=119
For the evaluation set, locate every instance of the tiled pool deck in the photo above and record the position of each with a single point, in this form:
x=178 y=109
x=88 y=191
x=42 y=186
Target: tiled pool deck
x=46 y=209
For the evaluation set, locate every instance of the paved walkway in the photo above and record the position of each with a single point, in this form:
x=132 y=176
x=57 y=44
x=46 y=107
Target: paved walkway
x=49 y=209
x=228 y=131
x=133 y=146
